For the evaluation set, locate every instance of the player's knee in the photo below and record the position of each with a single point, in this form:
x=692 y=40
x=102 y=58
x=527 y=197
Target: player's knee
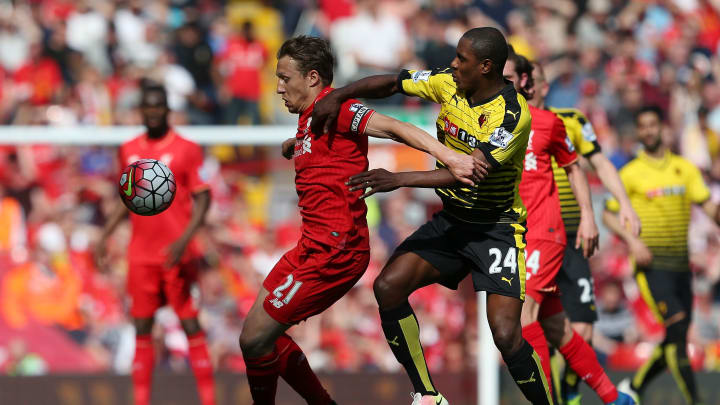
x=387 y=291
x=555 y=329
x=507 y=337
x=584 y=329
x=254 y=344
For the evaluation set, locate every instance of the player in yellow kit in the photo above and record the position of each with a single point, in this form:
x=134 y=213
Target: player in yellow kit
x=662 y=188
x=574 y=279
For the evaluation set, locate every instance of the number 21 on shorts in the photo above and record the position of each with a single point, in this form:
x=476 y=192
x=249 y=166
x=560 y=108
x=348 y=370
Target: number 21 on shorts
x=280 y=297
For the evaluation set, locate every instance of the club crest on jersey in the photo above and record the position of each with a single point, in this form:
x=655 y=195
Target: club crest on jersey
x=481 y=119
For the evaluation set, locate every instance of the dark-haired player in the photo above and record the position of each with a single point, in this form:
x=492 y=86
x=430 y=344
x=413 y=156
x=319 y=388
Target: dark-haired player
x=333 y=252
x=480 y=229
x=543 y=314
x=162 y=258
x=662 y=188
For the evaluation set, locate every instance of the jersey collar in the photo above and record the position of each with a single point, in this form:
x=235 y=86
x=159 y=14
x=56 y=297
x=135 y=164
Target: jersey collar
x=324 y=92
x=159 y=143
x=508 y=87
x=654 y=162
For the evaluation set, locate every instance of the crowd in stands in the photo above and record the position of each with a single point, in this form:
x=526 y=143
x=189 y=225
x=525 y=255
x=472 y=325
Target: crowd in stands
x=65 y=63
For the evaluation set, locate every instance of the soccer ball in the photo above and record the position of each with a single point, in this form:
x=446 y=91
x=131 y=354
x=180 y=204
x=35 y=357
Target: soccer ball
x=147 y=187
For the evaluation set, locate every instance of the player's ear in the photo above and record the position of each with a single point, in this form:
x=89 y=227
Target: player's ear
x=523 y=80
x=313 y=78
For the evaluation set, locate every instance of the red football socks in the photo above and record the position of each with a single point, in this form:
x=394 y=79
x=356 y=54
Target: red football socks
x=296 y=371
x=262 y=375
x=534 y=334
x=581 y=358
x=202 y=368
x=142 y=369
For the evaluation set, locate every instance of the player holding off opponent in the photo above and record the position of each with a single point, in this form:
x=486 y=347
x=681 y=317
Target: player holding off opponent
x=333 y=252
x=162 y=259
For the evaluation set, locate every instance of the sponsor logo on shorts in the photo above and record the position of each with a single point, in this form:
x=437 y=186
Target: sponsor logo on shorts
x=507 y=280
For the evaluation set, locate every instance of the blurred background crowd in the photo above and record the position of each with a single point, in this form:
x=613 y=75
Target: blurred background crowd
x=66 y=63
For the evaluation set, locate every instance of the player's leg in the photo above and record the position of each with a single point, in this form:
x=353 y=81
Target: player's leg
x=578 y=298
x=178 y=283
x=144 y=288
x=534 y=334
x=403 y=274
x=499 y=258
x=522 y=361
x=577 y=352
x=677 y=325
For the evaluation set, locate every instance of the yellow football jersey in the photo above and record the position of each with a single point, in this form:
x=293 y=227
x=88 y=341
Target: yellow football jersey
x=499 y=126
x=662 y=191
x=582 y=135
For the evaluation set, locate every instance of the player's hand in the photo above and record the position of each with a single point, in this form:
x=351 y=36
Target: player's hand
x=643 y=256
x=587 y=236
x=629 y=219
x=376 y=180
x=325 y=113
x=175 y=252
x=466 y=169
x=288 y=148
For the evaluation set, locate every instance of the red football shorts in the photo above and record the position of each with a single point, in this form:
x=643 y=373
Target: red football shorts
x=152 y=286
x=309 y=278
x=543 y=259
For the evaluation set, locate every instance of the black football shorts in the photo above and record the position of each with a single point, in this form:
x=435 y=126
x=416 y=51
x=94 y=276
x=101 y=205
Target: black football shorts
x=577 y=290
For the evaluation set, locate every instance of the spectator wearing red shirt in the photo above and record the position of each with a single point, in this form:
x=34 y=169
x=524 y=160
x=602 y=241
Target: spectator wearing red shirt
x=241 y=64
x=39 y=79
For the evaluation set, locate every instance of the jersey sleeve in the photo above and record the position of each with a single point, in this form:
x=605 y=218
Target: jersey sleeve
x=696 y=188
x=197 y=178
x=434 y=85
x=353 y=117
x=561 y=148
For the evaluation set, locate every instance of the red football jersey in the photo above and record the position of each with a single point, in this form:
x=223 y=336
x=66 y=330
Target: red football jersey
x=331 y=214
x=151 y=235
x=537 y=189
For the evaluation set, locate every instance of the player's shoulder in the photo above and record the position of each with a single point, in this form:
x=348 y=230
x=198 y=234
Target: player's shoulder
x=569 y=113
x=682 y=163
x=516 y=111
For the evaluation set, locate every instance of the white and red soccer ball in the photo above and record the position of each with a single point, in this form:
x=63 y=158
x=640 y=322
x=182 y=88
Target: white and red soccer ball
x=147 y=187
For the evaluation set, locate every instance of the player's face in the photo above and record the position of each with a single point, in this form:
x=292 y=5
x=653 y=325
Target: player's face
x=292 y=85
x=509 y=73
x=154 y=110
x=467 y=69
x=649 y=131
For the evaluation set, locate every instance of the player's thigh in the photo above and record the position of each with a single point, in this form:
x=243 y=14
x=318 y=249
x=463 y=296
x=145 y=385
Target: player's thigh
x=683 y=285
x=659 y=291
x=577 y=286
x=496 y=255
x=180 y=288
x=144 y=287
x=310 y=278
x=430 y=255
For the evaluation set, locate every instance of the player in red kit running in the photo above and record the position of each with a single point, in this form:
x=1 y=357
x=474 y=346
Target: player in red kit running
x=542 y=313
x=333 y=251
x=162 y=258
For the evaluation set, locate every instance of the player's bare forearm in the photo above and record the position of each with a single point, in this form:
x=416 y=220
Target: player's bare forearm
x=382 y=181
x=119 y=213
x=201 y=205
x=581 y=189
x=610 y=178
x=465 y=168
x=712 y=210
x=612 y=222
x=326 y=110
x=378 y=86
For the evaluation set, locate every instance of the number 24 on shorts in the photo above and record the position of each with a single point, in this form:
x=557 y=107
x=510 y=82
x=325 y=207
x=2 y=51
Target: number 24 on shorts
x=278 y=301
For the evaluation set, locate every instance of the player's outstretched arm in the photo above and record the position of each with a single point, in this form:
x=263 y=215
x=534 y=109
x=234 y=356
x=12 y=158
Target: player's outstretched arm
x=326 y=110
x=201 y=204
x=640 y=251
x=712 y=210
x=382 y=181
x=610 y=178
x=465 y=168
x=100 y=253
x=588 y=231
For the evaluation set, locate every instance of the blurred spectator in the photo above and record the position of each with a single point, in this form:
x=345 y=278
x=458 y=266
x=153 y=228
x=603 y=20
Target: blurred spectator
x=240 y=64
x=615 y=321
x=136 y=35
x=87 y=33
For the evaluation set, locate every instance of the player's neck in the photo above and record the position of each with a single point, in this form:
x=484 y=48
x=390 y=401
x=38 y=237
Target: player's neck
x=310 y=99
x=658 y=153
x=158 y=133
x=537 y=103
x=486 y=91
